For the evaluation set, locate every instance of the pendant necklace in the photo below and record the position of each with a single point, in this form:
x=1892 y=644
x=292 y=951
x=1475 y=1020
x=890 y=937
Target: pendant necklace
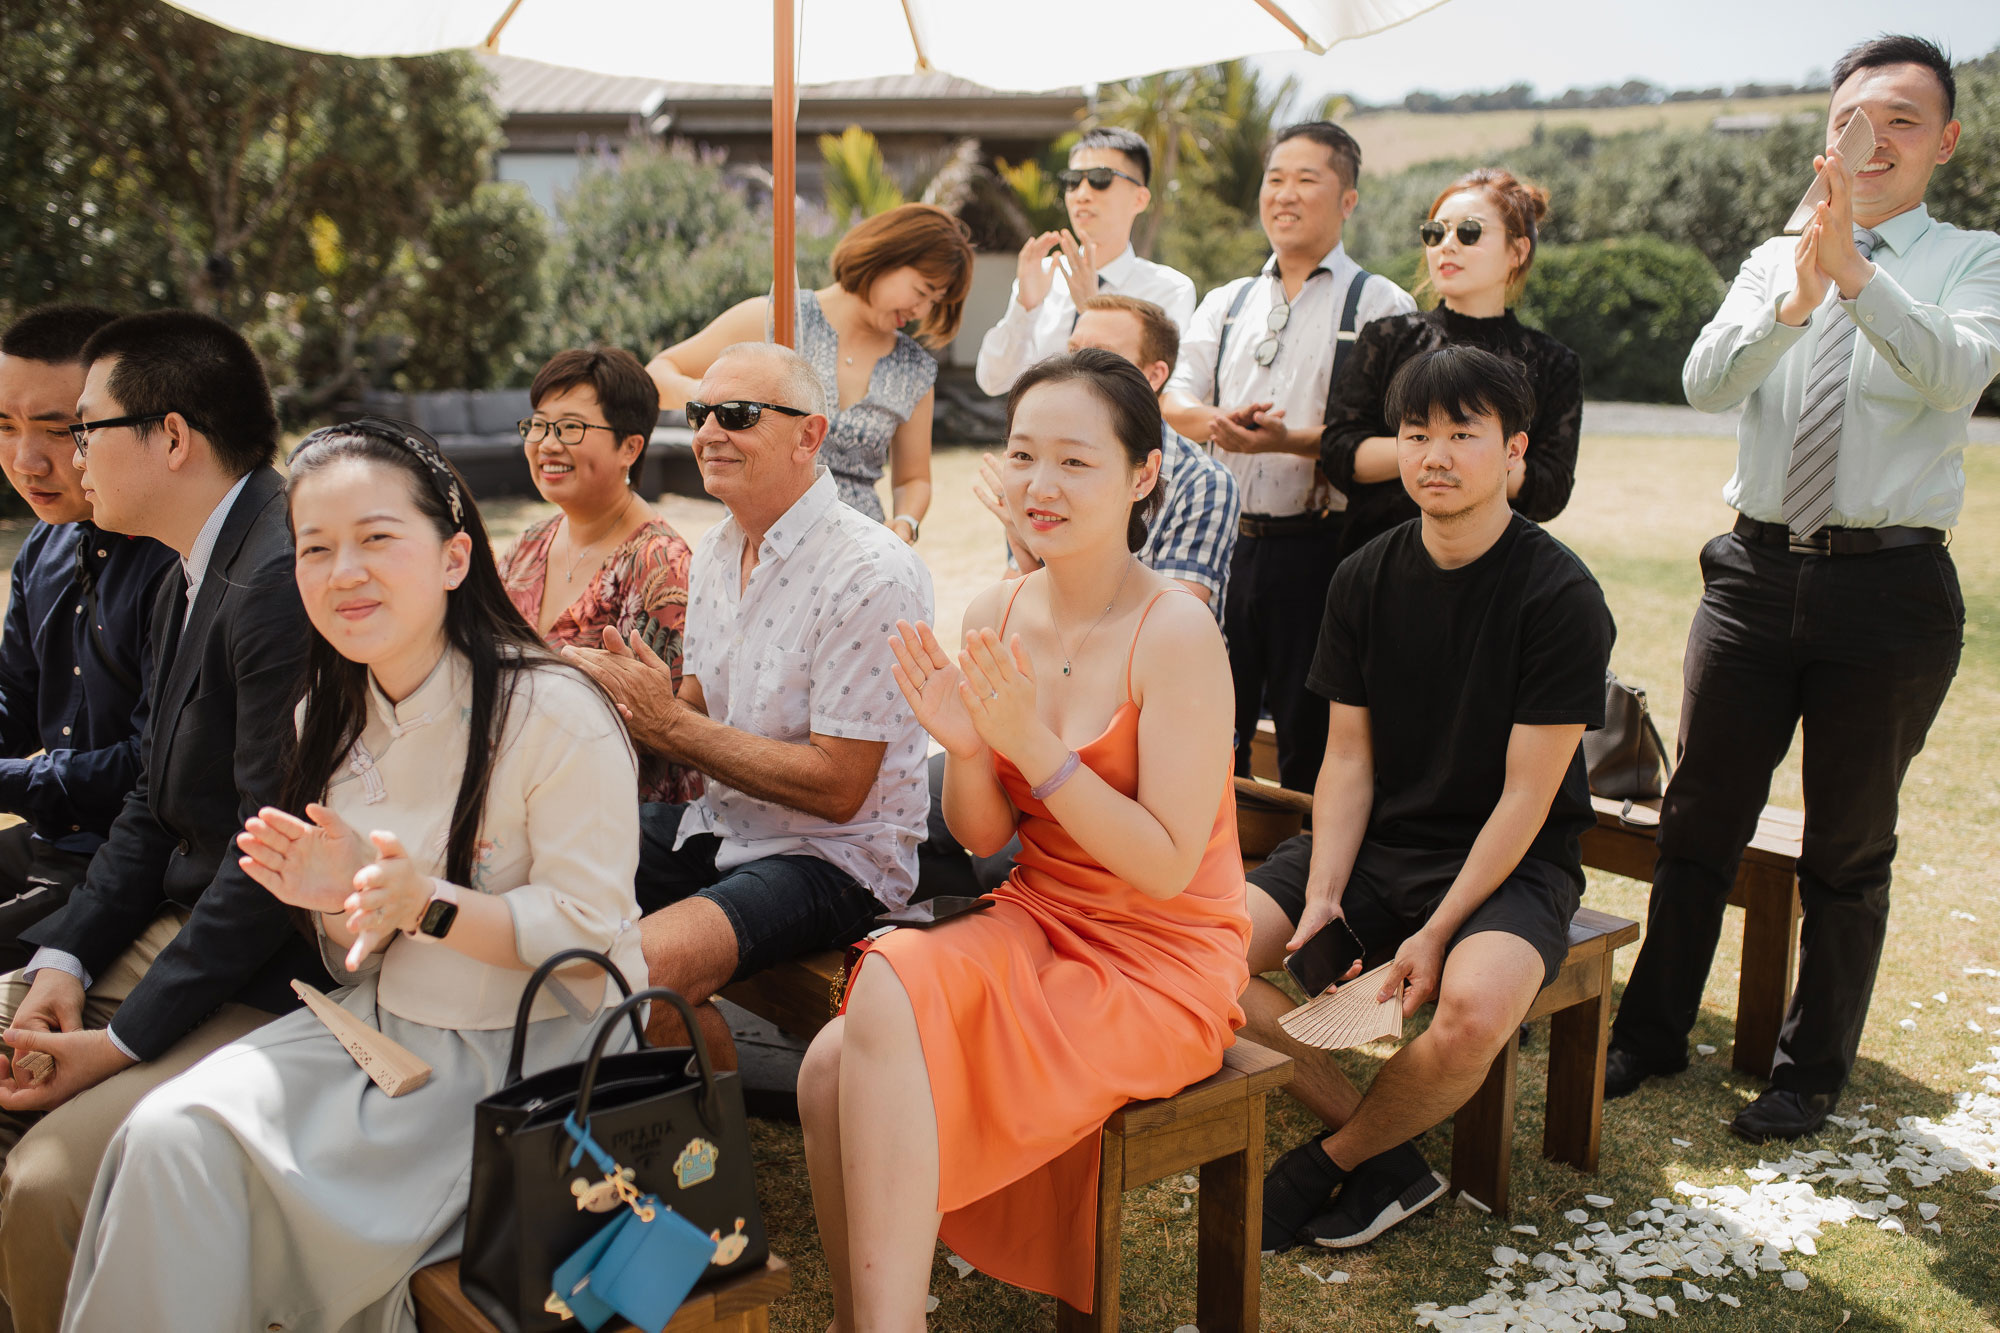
x=569 y=576
x=1093 y=624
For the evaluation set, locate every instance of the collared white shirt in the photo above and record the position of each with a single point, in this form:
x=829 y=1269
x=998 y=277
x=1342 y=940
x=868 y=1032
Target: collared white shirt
x=805 y=648
x=1929 y=322
x=1274 y=484
x=195 y=563
x=1023 y=337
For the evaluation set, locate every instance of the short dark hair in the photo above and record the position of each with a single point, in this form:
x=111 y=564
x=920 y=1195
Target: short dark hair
x=1159 y=338
x=196 y=365
x=54 y=333
x=1898 y=49
x=1461 y=382
x=1339 y=144
x=1120 y=140
x=1135 y=414
x=626 y=393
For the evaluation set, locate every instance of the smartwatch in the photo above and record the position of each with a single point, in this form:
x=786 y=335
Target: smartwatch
x=440 y=912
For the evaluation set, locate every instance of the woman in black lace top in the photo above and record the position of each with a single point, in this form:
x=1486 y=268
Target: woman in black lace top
x=1479 y=242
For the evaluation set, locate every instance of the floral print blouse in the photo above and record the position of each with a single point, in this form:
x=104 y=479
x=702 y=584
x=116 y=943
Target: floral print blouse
x=642 y=590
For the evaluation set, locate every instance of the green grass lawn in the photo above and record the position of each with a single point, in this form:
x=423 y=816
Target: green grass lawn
x=1642 y=509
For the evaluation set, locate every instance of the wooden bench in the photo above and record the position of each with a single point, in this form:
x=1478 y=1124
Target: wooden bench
x=740 y=1305
x=1577 y=1004
x=1766 y=889
x=1215 y=1127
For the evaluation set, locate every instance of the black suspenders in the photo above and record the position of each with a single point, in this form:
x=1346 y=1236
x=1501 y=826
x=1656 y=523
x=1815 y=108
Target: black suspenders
x=1341 y=340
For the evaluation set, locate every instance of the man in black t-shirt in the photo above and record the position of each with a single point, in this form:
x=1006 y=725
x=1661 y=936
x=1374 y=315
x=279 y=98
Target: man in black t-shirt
x=1462 y=655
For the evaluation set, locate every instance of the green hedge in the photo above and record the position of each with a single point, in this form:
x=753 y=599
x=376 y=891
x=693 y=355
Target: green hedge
x=1630 y=308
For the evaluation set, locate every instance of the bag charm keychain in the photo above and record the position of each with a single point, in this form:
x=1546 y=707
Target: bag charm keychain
x=641 y=1265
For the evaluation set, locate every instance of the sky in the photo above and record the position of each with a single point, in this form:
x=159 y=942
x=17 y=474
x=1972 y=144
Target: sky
x=1469 y=45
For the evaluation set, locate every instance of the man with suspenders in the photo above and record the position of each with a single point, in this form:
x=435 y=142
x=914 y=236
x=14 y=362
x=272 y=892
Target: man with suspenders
x=1255 y=364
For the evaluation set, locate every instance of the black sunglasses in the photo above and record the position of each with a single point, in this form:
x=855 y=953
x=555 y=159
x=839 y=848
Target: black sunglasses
x=79 y=431
x=1469 y=232
x=1100 y=178
x=737 y=414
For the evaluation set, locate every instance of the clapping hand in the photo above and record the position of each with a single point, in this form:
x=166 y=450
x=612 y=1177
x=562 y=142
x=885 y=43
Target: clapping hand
x=1838 y=258
x=998 y=693
x=930 y=682
x=310 y=865
x=1079 y=266
x=1256 y=429
x=1033 y=275
x=389 y=895
x=640 y=683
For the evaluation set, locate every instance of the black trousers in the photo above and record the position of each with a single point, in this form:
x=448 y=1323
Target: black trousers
x=1277 y=596
x=1860 y=649
x=35 y=879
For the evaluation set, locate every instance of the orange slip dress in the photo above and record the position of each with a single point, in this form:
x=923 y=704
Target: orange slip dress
x=1044 y=1014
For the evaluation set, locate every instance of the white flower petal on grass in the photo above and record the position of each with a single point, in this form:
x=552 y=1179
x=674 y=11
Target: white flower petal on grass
x=931 y=1305
x=1927 y=1211
x=1597 y=1200
x=1908 y=1025
x=1576 y=1215
x=959 y=1266
x=1525 y=1230
x=1471 y=1202
x=1682 y=1143
x=1795 y=1280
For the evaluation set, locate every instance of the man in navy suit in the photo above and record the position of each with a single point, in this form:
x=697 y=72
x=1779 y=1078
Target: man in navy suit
x=167 y=950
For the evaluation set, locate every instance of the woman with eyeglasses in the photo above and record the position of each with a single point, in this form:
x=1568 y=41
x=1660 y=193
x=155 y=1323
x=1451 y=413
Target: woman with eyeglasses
x=1479 y=242
x=458 y=808
x=909 y=265
x=606 y=561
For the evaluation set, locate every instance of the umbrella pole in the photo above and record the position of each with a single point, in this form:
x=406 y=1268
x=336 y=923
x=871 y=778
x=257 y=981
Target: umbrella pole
x=784 y=177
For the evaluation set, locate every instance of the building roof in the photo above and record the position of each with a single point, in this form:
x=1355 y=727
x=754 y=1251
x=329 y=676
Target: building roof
x=531 y=88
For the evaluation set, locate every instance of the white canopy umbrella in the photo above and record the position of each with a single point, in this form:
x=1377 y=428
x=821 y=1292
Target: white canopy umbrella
x=1006 y=44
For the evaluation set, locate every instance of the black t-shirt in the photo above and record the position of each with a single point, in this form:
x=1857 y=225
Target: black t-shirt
x=1446 y=661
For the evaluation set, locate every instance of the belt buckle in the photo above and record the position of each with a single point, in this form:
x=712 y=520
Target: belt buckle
x=1812 y=543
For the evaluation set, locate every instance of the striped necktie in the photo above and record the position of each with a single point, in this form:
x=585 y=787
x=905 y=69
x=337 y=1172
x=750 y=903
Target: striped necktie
x=1816 y=445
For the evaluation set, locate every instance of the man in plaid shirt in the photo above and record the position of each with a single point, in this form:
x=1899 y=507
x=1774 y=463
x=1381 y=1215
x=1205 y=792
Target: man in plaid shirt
x=1191 y=541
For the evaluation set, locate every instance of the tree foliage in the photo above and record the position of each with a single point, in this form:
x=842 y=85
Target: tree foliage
x=654 y=245
x=296 y=195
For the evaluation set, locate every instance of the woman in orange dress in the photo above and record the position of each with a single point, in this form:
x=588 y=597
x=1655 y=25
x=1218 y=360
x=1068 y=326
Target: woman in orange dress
x=962 y=1091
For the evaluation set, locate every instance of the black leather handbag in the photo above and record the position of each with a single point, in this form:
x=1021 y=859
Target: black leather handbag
x=1626 y=759
x=673 y=1124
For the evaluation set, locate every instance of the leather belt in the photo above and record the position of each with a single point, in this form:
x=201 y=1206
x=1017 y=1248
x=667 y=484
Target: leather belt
x=1836 y=541
x=1282 y=525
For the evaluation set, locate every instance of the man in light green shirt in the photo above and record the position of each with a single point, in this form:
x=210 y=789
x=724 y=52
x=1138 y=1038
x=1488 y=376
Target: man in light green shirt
x=1857 y=351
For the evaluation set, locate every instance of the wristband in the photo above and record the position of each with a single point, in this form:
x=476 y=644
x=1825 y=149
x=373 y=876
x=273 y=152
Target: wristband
x=1062 y=775
x=916 y=527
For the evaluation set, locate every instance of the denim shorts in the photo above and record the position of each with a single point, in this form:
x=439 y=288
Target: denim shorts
x=780 y=906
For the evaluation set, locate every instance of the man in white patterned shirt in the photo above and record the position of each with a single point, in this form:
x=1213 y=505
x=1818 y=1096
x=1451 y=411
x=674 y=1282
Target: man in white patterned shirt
x=1251 y=384
x=1106 y=189
x=816 y=798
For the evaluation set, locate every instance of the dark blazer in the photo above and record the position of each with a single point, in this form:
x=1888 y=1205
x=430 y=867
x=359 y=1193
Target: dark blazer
x=223 y=693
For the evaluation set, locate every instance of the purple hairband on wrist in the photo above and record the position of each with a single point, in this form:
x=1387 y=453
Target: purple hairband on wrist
x=1062 y=775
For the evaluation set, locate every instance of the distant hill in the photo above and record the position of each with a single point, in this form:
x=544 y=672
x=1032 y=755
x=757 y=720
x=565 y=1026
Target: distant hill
x=1392 y=140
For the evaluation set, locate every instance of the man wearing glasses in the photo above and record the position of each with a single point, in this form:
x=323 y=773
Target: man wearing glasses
x=1251 y=384
x=1106 y=190
x=166 y=951
x=76 y=654
x=815 y=800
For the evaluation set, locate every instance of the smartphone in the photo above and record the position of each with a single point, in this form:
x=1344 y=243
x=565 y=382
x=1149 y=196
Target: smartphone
x=1323 y=960
x=933 y=911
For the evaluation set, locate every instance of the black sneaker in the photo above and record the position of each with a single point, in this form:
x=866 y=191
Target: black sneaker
x=1381 y=1192
x=1297 y=1188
